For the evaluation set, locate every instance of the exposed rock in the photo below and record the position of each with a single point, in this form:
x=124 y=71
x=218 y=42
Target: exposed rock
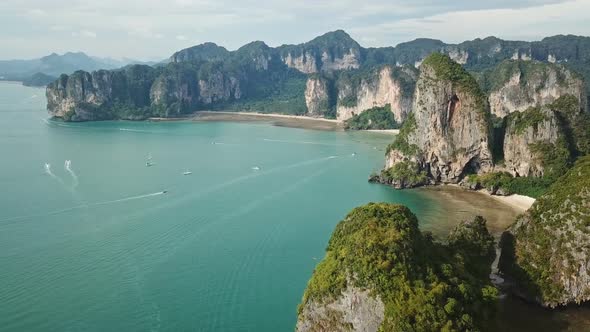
x=332 y=51
x=305 y=63
x=101 y=95
x=317 y=96
x=519 y=85
x=393 y=86
x=525 y=130
x=380 y=273
x=219 y=87
x=448 y=135
x=547 y=251
x=355 y=309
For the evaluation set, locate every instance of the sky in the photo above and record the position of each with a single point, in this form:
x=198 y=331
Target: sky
x=154 y=29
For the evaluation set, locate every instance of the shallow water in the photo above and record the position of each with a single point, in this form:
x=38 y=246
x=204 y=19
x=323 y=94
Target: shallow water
x=110 y=244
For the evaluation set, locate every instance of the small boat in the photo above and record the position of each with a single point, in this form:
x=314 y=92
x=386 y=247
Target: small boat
x=256 y=168
x=149 y=162
x=187 y=172
x=165 y=192
x=354 y=154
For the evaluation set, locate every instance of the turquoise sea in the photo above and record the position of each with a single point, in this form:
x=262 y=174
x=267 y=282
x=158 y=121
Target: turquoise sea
x=108 y=244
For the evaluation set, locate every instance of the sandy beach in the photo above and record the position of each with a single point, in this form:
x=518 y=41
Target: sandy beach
x=519 y=202
x=384 y=131
x=455 y=204
x=282 y=120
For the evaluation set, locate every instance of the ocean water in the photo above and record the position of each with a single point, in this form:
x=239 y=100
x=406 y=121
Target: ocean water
x=104 y=243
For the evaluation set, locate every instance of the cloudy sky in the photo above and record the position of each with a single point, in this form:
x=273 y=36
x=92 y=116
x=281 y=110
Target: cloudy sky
x=153 y=29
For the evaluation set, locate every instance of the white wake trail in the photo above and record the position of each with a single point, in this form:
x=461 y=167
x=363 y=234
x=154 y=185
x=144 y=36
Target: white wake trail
x=68 y=167
x=77 y=207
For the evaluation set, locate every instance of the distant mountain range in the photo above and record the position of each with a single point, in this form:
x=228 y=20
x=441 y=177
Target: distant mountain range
x=331 y=76
x=41 y=71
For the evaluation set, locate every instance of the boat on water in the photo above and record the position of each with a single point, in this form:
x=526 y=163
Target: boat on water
x=149 y=161
x=256 y=168
x=187 y=172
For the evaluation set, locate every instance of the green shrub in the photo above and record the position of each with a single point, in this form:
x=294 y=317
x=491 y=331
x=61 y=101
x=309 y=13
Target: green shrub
x=424 y=285
x=374 y=118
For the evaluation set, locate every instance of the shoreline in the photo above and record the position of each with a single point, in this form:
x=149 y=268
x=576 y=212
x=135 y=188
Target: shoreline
x=519 y=202
x=280 y=120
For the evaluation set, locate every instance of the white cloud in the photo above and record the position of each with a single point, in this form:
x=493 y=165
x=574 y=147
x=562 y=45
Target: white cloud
x=129 y=27
x=524 y=23
x=84 y=33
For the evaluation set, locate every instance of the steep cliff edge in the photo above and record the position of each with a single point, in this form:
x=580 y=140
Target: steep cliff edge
x=448 y=134
x=332 y=51
x=101 y=95
x=518 y=85
x=381 y=273
x=386 y=85
x=547 y=251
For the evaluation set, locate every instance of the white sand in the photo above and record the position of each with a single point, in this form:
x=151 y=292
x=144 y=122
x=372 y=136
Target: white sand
x=520 y=202
x=270 y=115
x=384 y=131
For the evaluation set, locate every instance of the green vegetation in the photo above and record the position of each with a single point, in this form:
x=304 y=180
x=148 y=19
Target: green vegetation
x=401 y=143
x=447 y=69
x=504 y=182
x=424 y=285
x=538 y=251
x=531 y=73
x=532 y=117
x=374 y=118
x=405 y=173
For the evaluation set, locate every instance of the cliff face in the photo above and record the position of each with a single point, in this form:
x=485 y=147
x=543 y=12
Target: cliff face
x=97 y=96
x=380 y=273
x=393 y=86
x=329 y=52
x=524 y=131
x=355 y=309
x=448 y=134
x=518 y=85
x=317 y=96
x=546 y=251
x=138 y=92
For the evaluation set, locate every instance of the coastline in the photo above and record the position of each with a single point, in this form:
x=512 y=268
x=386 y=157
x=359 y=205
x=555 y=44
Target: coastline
x=519 y=202
x=280 y=120
x=383 y=131
x=455 y=204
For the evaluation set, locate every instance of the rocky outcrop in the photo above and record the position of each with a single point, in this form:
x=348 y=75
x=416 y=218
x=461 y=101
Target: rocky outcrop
x=519 y=85
x=380 y=273
x=524 y=131
x=101 y=94
x=547 y=252
x=448 y=135
x=218 y=87
x=202 y=52
x=317 y=96
x=385 y=86
x=354 y=309
x=138 y=92
x=330 y=52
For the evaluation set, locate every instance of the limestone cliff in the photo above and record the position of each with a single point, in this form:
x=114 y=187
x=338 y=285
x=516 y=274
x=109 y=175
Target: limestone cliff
x=547 y=251
x=518 y=85
x=448 y=134
x=317 y=96
x=387 y=85
x=101 y=95
x=380 y=273
x=138 y=92
x=525 y=132
x=332 y=51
